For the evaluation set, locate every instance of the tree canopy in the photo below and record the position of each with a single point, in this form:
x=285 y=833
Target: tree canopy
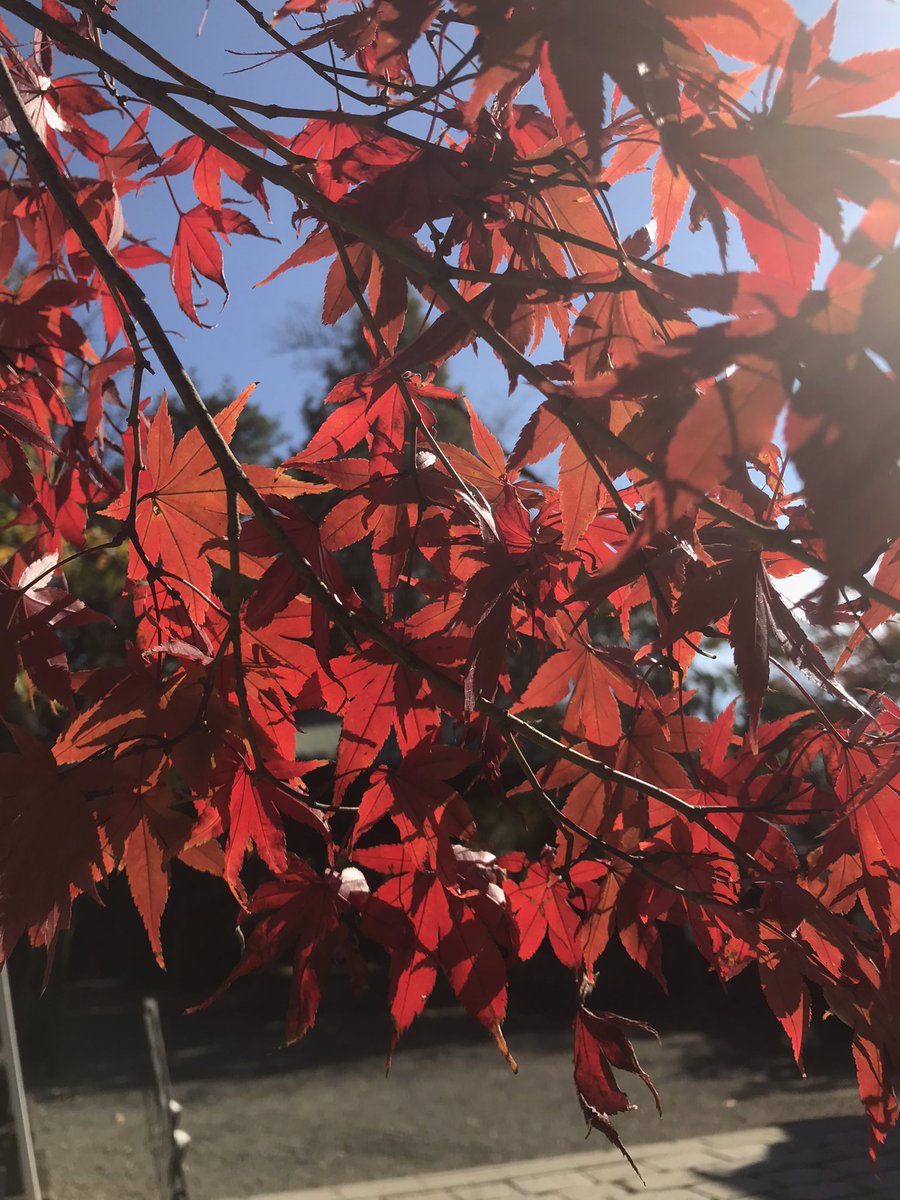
x=523 y=638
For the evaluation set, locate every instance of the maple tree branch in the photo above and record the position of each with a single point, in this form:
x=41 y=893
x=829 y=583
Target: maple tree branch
x=556 y=815
x=436 y=89
x=324 y=72
x=126 y=532
x=298 y=183
x=188 y=85
x=183 y=79
x=597 y=195
x=413 y=409
x=770 y=914
x=823 y=716
x=601 y=770
x=33 y=581
x=118 y=279
x=234 y=622
x=235 y=478
x=538 y=284
x=563 y=236
x=352 y=622
x=630 y=522
x=141 y=365
x=569 y=829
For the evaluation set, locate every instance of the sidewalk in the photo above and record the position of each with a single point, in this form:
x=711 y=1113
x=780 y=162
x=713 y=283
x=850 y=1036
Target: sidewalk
x=802 y=1162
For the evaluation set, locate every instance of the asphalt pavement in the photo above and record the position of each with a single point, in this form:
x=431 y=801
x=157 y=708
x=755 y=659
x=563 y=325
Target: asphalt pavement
x=266 y=1120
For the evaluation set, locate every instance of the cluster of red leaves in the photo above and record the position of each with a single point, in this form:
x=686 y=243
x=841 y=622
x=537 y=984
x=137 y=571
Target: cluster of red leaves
x=670 y=512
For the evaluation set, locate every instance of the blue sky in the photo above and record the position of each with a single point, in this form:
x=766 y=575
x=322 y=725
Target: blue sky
x=244 y=344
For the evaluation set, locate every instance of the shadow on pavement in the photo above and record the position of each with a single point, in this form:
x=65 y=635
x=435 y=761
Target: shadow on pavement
x=101 y=1045
x=817 y=1159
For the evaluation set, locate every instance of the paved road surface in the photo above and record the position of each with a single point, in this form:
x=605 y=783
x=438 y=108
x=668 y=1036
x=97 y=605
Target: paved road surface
x=809 y=1161
x=267 y=1120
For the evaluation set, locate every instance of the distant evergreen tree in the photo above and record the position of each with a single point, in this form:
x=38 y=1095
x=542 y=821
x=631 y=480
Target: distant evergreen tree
x=257 y=437
x=346 y=352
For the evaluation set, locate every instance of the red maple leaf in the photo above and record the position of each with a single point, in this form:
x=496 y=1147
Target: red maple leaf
x=51 y=850
x=426 y=927
x=181 y=503
x=197 y=252
x=602 y=1047
x=544 y=904
x=300 y=912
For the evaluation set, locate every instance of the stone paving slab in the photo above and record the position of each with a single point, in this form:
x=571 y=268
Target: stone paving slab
x=776 y=1163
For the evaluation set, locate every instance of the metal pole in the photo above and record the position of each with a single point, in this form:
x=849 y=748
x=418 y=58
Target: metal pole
x=171 y=1140
x=9 y=1051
